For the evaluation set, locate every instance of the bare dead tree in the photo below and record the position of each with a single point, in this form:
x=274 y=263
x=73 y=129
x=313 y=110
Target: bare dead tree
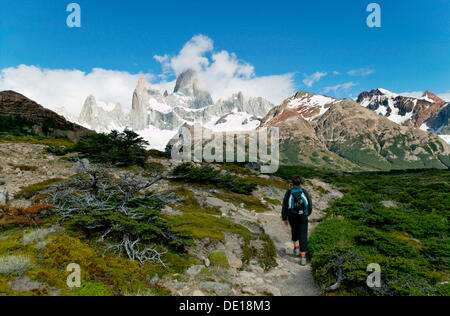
x=101 y=189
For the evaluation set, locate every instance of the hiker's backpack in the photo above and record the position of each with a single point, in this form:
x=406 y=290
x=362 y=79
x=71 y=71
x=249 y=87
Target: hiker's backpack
x=298 y=202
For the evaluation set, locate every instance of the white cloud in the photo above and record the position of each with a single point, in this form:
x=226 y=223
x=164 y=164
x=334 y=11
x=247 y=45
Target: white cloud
x=444 y=96
x=340 y=87
x=419 y=94
x=363 y=72
x=312 y=79
x=222 y=73
x=336 y=73
x=412 y=94
x=54 y=88
x=192 y=55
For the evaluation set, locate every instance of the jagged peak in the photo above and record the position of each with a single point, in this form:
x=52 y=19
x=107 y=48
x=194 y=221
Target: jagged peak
x=430 y=95
x=186 y=79
x=89 y=103
x=387 y=92
x=91 y=97
x=300 y=94
x=118 y=107
x=142 y=85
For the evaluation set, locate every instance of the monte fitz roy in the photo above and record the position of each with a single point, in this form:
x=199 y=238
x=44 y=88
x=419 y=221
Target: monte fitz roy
x=381 y=130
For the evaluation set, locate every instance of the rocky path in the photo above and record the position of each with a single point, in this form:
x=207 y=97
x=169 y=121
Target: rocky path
x=299 y=281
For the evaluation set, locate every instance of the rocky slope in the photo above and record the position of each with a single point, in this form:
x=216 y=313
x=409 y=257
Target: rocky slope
x=306 y=105
x=205 y=276
x=370 y=140
x=299 y=143
x=47 y=123
x=321 y=131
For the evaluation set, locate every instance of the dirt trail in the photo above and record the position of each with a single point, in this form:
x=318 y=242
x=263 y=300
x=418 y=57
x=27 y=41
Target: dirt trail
x=301 y=281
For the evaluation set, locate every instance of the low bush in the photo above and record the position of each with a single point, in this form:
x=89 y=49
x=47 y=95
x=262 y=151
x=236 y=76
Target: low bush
x=209 y=176
x=219 y=258
x=118 y=149
x=23 y=216
x=24 y=167
x=31 y=190
x=408 y=240
x=16 y=125
x=268 y=257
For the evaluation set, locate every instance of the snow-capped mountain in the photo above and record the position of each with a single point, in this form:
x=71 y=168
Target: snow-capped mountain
x=429 y=112
x=307 y=105
x=158 y=116
x=96 y=117
x=320 y=131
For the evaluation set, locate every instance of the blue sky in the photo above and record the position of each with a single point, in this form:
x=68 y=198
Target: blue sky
x=408 y=53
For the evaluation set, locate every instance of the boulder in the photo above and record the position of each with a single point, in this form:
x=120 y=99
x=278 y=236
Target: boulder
x=248 y=290
x=235 y=263
x=269 y=290
x=194 y=270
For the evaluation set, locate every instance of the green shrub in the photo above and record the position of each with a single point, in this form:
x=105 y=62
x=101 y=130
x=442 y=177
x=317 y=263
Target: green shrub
x=33 y=189
x=58 y=150
x=119 y=149
x=268 y=256
x=20 y=126
x=209 y=176
x=409 y=241
x=16 y=125
x=219 y=258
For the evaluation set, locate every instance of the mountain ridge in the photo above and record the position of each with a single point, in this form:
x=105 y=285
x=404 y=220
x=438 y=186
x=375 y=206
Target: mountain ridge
x=345 y=135
x=45 y=122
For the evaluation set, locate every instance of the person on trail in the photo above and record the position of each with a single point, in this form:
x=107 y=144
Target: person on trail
x=297 y=207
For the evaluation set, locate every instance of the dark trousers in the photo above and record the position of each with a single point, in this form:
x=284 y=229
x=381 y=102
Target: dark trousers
x=299 y=225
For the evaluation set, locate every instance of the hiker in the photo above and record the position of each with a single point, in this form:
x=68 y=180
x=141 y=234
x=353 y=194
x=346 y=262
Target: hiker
x=297 y=206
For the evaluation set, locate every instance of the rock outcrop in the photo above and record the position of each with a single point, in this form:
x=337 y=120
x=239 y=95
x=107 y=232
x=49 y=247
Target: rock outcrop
x=408 y=111
x=439 y=122
x=101 y=120
x=368 y=139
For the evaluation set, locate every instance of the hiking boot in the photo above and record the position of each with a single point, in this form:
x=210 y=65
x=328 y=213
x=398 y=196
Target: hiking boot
x=296 y=252
x=303 y=262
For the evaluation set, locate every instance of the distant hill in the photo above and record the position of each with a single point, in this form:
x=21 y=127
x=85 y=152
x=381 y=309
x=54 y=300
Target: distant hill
x=21 y=114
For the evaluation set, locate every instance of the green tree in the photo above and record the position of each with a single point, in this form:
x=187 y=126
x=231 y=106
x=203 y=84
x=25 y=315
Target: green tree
x=120 y=149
